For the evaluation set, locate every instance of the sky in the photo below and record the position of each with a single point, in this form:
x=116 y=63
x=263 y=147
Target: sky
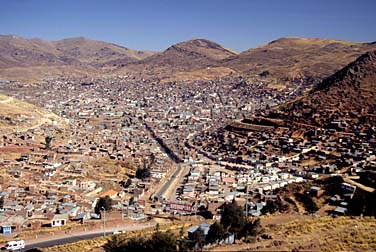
x=157 y=24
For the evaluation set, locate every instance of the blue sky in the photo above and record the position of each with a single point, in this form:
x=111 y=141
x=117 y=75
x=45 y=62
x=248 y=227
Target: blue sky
x=157 y=24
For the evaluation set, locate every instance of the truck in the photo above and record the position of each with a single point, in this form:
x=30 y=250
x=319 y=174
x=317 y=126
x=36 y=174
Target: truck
x=14 y=245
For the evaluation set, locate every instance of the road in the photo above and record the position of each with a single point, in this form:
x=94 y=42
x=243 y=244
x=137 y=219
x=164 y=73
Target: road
x=74 y=237
x=164 y=190
x=63 y=240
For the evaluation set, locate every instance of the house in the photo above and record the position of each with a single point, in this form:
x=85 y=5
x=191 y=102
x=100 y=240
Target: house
x=59 y=220
x=204 y=226
x=340 y=211
x=316 y=191
x=158 y=174
x=347 y=189
x=110 y=193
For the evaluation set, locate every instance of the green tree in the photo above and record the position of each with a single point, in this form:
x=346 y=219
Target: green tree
x=103 y=202
x=143 y=173
x=232 y=217
x=115 y=244
x=138 y=244
x=216 y=233
x=162 y=242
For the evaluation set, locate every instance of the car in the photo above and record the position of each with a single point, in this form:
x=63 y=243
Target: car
x=14 y=245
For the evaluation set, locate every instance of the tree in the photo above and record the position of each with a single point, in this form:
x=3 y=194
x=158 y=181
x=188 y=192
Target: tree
x=48 y=140
x=216 y=233
x=232 y=217
x=1 y=202
x=128 y=183
x=251 y=228
x=198 y=237
x=115 y=243
x=103 y=202
x=143 y=173
x=138 y=244
x=271 y=207
x=163 y=242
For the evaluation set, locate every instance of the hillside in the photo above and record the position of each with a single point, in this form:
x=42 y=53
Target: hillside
x=190 y=57
x=309 y=233
x=16 y=115
x=297 y=57
x=34 y=59
x=96 y=52
x=277 y=62
x=349 y=93
x=195 y=53
x=17 y=52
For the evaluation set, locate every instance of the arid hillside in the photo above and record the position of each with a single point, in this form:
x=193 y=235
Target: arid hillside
x=35 y=59
x=349 y=93
x=297 y=57
x=185 y=60
x=16 y=115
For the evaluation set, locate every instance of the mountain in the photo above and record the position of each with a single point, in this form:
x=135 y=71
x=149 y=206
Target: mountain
x=349 y=93
x=34 y=59
x=96 y=52
x=277 y=62
x=183 y=58
x=19 y=52
x=194 y=53
x=297 y=57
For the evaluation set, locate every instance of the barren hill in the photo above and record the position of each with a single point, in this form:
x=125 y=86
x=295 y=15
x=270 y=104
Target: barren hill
x=19 y=115
x=193 y=56
x=96 y=52
x=350 y=91
x=194 y=53
x=297 y=57
x=18 y=51
x=33 y=59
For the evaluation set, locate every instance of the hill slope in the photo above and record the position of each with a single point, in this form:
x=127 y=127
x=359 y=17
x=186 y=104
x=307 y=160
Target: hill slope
x=34 y=59
x=185 y=57
x=350 y=92
x=194 y=53
x=18 y=115
x=297 y=57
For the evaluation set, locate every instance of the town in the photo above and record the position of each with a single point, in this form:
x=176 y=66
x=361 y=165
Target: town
x=113 y=127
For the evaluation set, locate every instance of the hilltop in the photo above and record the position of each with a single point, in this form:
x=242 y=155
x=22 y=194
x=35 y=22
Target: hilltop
x=20 y=52
x=35 y=59
x=191 y=57
x=277 y=62
x=297 y=57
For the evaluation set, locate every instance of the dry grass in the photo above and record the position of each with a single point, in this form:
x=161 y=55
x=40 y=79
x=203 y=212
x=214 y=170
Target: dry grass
x=328 y=234
x=315 y=234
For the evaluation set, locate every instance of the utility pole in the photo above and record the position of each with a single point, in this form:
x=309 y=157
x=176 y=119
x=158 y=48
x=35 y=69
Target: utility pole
x=104 y=221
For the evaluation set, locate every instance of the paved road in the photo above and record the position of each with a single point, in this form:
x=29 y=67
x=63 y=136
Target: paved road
x=169 y=183
x=64 y=240
x=75 y=237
